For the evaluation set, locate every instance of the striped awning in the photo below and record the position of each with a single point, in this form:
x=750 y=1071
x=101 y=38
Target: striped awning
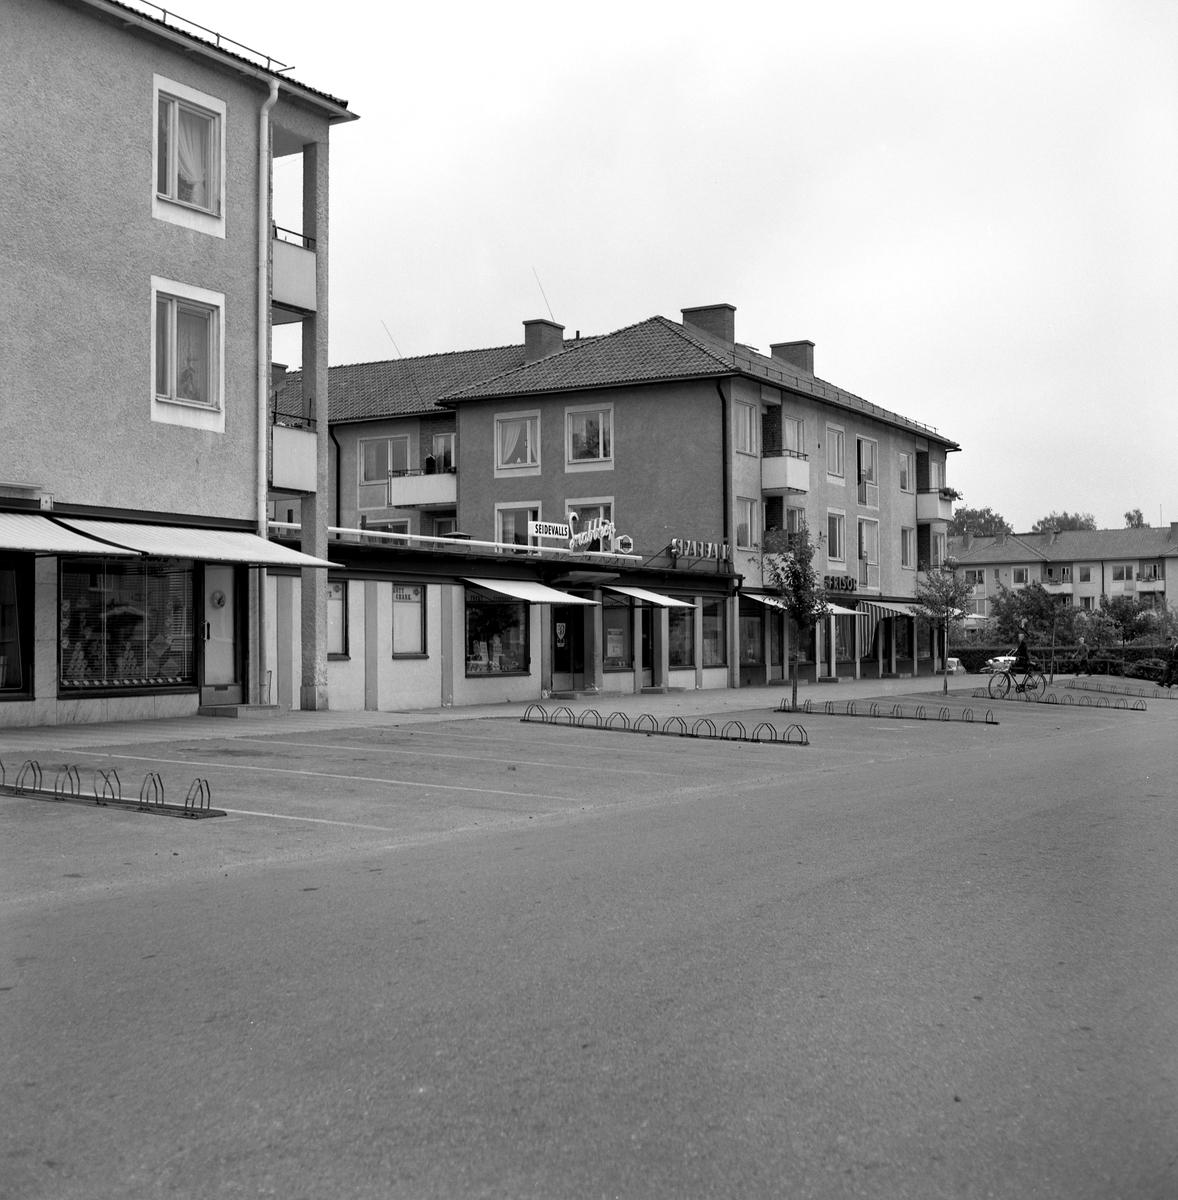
x=34 y=534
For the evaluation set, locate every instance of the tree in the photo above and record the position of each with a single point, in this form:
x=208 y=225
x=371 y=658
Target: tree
x=941 y=597
x=983 y=521
x=1135 y=519
x=1045 y=616
x=787 y=566
x=1064 y=520
x=1125 y=612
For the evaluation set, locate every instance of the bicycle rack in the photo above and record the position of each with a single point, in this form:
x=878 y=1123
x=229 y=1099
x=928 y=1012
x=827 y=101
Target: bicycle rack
x=672 y=721
x=112 y=787
x=567 y=713
x=151 y=790
x=625 y=721
x=765 y=725
x=68 y=784
x=640 y=728
x=583 y=719
x=703 y=721
x=106 y=791
x=704 y=729
x=535 y=708
x=199 y=798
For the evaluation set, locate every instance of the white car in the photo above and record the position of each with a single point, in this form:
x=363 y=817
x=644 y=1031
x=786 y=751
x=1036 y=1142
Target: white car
x=1002 y=663
x=955 y=667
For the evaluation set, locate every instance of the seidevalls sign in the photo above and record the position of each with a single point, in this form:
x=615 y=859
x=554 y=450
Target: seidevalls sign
x=581 y=537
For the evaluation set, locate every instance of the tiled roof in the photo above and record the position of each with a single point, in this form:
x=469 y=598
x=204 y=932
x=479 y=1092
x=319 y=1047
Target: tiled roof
x=1070 y=545
x=395 y=387
x=658 y=349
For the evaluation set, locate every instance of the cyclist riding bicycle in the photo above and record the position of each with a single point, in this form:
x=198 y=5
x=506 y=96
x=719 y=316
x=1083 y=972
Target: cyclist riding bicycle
x=1030 y=686
x=1022 y=664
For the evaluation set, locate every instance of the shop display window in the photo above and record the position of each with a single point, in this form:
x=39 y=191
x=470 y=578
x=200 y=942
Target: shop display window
x=126 y=625
x=752 y=645
x=844 y=639
x=715 y=633
x=617 y=628
x=16 y=627
x=804 y=640
x=496 y=635
x=901 y=628
x=409 y=618
x=681 y=635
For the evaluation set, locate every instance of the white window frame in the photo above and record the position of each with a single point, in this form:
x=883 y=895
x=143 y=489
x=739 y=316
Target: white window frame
x=908 y=547
x=747 y=507
x=836 y=437
x=577 y=504
x=452 y=439
x=936 y=474
x=388 y=439
x=176 y=212
x=873 y=482
x=745 y=419
x=517 y=470
x=800 y=426
x=420 y=605
x=1126 y=575
x=794 y=525
x=574 y=465
x=842 y=528
x=514 y=504
x=171 y=411
x=1014 y=576
x=341 y=623
x=1085 y=574
x=907 y=482
x=938 y=547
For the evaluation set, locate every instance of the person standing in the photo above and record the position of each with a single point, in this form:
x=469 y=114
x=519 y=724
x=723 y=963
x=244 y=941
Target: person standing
x=1081 y=663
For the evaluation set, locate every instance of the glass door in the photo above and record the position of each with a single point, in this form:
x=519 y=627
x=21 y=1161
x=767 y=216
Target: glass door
x=568 y=647
x=221 y=673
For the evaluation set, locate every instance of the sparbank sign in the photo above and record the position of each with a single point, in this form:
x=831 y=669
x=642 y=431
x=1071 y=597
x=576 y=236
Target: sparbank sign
x=581 y=537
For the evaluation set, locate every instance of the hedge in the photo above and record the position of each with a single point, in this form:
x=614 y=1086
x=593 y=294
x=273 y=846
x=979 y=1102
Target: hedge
x=1107 y=660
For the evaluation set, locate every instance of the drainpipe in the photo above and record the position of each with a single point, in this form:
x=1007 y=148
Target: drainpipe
x=338 y=453
x=263 y=356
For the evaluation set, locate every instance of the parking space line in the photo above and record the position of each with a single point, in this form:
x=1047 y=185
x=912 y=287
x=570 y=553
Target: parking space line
x=443 y=787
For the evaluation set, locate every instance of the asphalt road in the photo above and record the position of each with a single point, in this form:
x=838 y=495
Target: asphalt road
x=485 y=959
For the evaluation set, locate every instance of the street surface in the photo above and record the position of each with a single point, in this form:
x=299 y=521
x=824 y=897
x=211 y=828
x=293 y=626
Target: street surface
x=432 y=956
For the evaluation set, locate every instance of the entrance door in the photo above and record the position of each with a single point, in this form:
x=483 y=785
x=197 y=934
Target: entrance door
x=776 y=619
x=647 y=645
x=221 y=676
x=568 y=647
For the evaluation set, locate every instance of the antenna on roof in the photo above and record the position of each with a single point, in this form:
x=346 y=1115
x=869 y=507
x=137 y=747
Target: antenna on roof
x=402 y=358
x=546 y=304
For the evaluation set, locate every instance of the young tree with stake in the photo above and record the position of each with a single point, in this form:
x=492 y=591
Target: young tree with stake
x=787 y=566
x=941 y=597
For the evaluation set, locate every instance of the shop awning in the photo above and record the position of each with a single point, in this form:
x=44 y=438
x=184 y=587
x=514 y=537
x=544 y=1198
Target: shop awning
x=179 y=541
x=839 y=611
x=34 y=534
x=649 y=597
x=527 y=589
x=771 y=601
x=881 y=609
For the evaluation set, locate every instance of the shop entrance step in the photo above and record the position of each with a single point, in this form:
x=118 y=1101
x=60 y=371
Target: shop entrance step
x=241 y=710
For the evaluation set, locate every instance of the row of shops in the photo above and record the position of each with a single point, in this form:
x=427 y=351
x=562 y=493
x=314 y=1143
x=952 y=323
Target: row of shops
x=97 y=622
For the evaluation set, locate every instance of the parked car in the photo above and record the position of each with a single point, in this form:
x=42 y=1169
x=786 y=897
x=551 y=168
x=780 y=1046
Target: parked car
x=955 y=667
x=1002 y=663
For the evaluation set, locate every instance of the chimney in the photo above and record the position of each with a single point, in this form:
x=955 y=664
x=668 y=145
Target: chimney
x=797 y=354
x=717 y=319
x=1174 y=531
x=967 y=539
x=542 y=339
x=1000 y=538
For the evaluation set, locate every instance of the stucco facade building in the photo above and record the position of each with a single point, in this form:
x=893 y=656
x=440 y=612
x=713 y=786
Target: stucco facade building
x=679 y=444
x=140 y=275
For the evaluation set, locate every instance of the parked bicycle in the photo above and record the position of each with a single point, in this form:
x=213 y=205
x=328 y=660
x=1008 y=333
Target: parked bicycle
x=1030 y=684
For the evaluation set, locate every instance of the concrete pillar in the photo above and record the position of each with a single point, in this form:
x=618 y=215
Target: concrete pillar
x=316 y=507
x=371 y=643
x=452 y=601
x=660 y=658
x=699 y=641
x=892 y=644
x=858 y=651
x=595 y=644
x=732 y=604
x=546 y=647
x=284 y=627
x=833 y=648
x=636 y=642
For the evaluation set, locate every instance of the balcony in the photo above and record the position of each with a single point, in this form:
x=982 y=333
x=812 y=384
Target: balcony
x=1058 y=587
x=416 y=489
x=784 y=471
x=1150 y=584
x=935 y=505
x=292 y=286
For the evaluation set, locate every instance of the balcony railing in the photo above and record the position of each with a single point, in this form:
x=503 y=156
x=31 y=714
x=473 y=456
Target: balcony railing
x=934 y=504
x=784 y=471
x=292 y=286
x=422 y=488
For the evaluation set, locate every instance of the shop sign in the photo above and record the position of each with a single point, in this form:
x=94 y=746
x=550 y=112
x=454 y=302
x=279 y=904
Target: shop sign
x=580 y=537
x=688 y=548
x=839 y=583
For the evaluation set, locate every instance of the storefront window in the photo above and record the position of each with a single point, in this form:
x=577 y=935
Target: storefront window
x=496 y=635
x=804 y=642
x=126 y=625
x=924 y=640
x=409 y=619
x=715 y=633
x=15 y=627
x=752 y=645
x=617 y=631
x=901 y=627
x=844 y=639
x=681 y=635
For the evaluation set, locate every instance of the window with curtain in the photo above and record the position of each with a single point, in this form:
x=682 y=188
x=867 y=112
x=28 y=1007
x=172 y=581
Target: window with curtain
x=442 y=449
x=590 y=435
x=586 y=514
x=186 y=335
x=513 y=525
x=517 y=442
x=793 y=435
x=747 y=531
x=745 y=432
x=187 y=154
x=834 y=451
x=126 y=625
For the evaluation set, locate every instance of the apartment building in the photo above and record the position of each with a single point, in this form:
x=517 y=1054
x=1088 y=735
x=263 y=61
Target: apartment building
x=140 y=275
x=1079 y=566
x=667 y=448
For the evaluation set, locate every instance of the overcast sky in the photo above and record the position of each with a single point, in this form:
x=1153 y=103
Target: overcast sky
x=970 y=209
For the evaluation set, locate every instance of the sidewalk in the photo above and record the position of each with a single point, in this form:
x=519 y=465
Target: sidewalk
x=47 y=739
